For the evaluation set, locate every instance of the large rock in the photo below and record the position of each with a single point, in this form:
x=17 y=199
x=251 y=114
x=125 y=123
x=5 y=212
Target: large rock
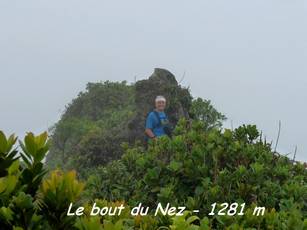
x=161 y=82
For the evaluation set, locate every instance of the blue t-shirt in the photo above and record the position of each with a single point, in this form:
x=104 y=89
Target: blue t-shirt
x=152 y=123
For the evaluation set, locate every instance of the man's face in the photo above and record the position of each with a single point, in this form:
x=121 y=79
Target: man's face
x=160 y=105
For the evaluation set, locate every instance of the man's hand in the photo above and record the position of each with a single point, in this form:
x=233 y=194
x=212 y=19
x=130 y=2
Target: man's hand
x=150 y=134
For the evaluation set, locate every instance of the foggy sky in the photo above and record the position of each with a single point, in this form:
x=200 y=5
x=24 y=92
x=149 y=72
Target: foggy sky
x=248 y=57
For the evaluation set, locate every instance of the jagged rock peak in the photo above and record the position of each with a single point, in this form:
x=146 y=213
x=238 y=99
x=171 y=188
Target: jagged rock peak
x=163 y=76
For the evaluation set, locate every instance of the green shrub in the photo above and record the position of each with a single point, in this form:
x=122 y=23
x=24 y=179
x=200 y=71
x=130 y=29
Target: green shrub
x=26 y=200
x=197 y=168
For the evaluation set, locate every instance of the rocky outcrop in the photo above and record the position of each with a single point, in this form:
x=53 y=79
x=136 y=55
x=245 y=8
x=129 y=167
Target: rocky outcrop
x=95 y=123
x=161 y=82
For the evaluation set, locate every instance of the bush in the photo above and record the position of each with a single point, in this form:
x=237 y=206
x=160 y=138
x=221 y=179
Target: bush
x=27 y=201
x=195 y=168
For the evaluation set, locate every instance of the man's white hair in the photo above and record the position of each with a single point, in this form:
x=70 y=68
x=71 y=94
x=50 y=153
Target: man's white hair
x=160 y=98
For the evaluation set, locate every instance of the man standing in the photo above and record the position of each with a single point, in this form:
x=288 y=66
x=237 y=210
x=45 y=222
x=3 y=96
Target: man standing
x=157 y=123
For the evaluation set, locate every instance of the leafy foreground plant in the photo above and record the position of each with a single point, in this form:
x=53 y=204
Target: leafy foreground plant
x=26 y=200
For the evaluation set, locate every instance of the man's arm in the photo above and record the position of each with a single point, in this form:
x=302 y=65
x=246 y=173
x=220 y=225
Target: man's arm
x=149 y=133
x=149 y=126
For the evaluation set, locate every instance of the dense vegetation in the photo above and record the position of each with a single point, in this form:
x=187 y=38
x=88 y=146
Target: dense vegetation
x=100 y=137
x=106 y=114
x=92 y=122
x=195 y=169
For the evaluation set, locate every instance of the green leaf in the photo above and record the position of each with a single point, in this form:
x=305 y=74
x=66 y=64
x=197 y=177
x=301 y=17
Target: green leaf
x=30 y=144
x=17 y=228
x=3 y=142
x=14 y=167
x=41 y=139
x=10 y=142
x=41 y=153
x=23 y=201
x=227 y=134
x=8 y=184
x=6 y=214
x=191 y=219
x=175 y=166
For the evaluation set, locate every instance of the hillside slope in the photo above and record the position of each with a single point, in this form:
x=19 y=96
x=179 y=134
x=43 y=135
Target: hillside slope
x=94 y=125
